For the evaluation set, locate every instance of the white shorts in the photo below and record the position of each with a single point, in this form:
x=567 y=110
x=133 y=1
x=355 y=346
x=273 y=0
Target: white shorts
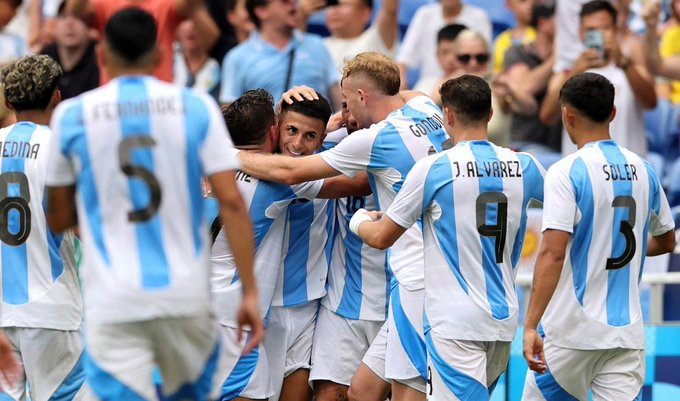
x=613 y=374
x=241 y=375
x=122 y=357
x=375 y=355
x=52 y=362
x=406 y=357
x=461 y=370
x=288 y=340
x=339 y=345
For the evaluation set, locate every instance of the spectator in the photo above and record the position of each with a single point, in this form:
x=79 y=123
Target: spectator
x=234 y=29
x=74 y=50
x=347 y=21
x=193 y=66
x=446 y=57
x=529 y=66
x=522 y=33
x=168 y=15
x=238 y=18
x=666 y=62
x=419 y=46
x=568 y=44
x=276 y=56
x=12 y=46
x=622 y=62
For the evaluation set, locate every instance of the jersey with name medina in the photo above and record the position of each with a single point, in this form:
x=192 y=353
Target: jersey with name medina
x=609 y=199
x=473 y=200
x=40 y=287
x=136 y=149
x=387 y=151
x=267 y=207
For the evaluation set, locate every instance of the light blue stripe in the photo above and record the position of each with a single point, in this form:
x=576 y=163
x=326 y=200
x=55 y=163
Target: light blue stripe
x=483 y=152
x=390 y=151
x=201 y=388
x=74 y=144
x=15 y=258
x=105 y=386
x=411 y=341
x=464 y=387
x=350 y=302
x=5 y=397
x=654 y=206
x=53 y=243
x=330 y=229
x=618 y=280
x=68 y=389
x=532 y=182
x=240 y=375
x=583 y=231
x=150 y=244
x=439 y=184
x=196 y=125
x=550 y=389
x=300 y=218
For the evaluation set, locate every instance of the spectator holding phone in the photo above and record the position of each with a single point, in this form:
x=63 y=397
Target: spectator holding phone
x=348 y=23
x=617 y=57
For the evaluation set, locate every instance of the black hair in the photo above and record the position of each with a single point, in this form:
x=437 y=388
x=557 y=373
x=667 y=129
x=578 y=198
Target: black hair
x=541 y=11
x=249 y=117
x=594 y=6
x=131 y=33
x=591 y=94
x=469 y=96
x=319 y=109
x=251 y=5
x=450 y=32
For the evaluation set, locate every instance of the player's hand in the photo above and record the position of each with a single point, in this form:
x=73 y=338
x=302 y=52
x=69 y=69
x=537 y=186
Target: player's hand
x=336 y=122
x=9 y=367
x=533 y=351
x=249 y=315
x=361 y=216
x=298 y=94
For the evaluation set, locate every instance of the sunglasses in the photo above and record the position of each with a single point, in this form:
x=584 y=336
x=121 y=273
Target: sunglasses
x=480 y=58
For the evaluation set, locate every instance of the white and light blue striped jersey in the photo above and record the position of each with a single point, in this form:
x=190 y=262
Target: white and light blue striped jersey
x=358 y=277
x=40 y=286
x=267 y=206
x=136 y=150
x=12 y=46
x=609 y=199
x=387 y=151
x=306 y=252
x=473 y=200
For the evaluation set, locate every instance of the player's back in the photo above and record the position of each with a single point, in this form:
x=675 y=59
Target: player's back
x=473 y=198
x=40 y=288
x=267 y=204
x=140 y=148
x=615 y=195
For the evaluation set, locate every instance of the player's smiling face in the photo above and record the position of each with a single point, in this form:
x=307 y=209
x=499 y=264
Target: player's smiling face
x=300 y=135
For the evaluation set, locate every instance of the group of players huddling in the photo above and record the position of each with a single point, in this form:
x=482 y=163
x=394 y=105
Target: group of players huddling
x=195 y=238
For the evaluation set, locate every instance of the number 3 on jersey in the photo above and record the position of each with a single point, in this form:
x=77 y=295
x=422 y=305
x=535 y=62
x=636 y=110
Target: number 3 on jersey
x=14 y=231
x=132 y=170
x=625 y=228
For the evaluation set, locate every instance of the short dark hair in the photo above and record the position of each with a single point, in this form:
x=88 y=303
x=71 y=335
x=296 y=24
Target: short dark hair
x=541 y=11
x=251 y=5
x=30 y=81
x=15 y=3
x=319 y=109
x=469 y=96
x=594 y=6
x=450 y=32
x=131 y=33
x=249 y=117
x=591 y=94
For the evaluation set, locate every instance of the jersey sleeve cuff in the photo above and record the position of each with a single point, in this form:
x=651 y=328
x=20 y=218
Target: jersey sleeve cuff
x=398 y=220
x=557 y=226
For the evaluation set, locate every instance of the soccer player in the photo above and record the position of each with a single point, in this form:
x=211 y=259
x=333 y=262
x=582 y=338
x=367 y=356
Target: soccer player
x=472 y=199
x=604 y=212
x=41 y=302
x=400 y=131
x=133 y=153
x=252 y=123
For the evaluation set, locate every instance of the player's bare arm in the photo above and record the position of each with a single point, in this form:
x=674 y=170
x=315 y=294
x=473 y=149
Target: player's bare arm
x=343 y=186
x=239 y=232
x=660 y=244
x=61 y=208
x=285 y=169
x=546 y=276
x=375 y=229
x=9 y=367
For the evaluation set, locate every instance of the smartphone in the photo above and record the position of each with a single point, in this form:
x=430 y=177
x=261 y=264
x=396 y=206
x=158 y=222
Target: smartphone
x=594 y=39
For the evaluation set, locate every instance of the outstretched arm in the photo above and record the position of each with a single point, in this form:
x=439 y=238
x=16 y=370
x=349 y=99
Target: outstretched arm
x=239 y=230
x=386 y=22
x=285 y=169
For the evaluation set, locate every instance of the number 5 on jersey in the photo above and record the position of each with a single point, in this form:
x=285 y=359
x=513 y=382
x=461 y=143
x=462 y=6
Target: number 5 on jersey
x=132 y=170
